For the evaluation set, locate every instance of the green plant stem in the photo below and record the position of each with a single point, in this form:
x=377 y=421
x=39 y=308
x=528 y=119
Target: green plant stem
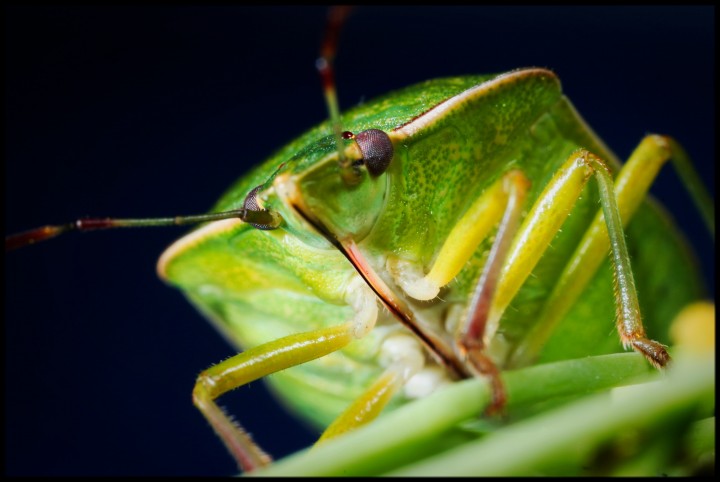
x=411 y=432
x=569 y=436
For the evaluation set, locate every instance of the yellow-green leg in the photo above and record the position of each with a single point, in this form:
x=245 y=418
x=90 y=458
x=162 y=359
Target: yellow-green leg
x=631 y=187
x=251 y=365
x=542 y=224
x=474 y=226
x=366 y=407
x=469 y=340
x=501 y=205
x=403 y=356
x=272 y=357
x=507 y=268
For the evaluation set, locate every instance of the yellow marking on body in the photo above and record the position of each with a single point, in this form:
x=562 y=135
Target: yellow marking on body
x=431 y=116
x=193 y=239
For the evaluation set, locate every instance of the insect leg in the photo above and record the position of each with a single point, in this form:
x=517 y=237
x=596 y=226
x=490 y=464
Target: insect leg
x=404 y=358
x=469 y=341
x=629 y=321
x=272 y=357
x=631 y=187
x=501 y=203
x=475 y=225
x=336 y=19
x=546 y=217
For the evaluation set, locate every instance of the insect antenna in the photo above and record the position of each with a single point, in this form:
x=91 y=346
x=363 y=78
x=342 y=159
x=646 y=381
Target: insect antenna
x=259 y=217
x=324 y=64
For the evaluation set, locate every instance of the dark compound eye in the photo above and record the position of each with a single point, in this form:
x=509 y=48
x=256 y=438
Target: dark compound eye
x=377 y=150
x=251 y=204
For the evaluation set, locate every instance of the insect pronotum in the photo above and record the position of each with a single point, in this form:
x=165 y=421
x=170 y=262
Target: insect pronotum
x=150 y=111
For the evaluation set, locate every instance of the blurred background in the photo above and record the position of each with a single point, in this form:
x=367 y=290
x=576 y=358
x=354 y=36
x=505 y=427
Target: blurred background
x=154 y=111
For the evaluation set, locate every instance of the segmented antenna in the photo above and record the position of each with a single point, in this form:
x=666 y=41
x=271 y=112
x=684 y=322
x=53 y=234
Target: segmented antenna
x=260 y=217
x=336 y=19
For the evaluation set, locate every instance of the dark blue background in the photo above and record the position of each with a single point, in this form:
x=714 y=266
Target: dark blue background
x=153 y=111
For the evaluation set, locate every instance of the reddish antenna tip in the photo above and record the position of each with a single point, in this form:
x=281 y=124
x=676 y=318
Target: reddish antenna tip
x=15 y=241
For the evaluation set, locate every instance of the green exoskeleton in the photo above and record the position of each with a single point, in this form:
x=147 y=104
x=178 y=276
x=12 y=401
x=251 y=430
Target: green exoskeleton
x=450 y=229
x=412 y=237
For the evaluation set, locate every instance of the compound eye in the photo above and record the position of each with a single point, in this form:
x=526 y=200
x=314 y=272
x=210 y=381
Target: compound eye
x=251 y=204
x=377 y=150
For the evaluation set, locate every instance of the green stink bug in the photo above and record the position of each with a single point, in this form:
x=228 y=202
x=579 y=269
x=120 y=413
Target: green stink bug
x=167 y=362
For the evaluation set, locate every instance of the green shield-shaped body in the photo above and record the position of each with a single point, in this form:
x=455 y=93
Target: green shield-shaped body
x=452 y=138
